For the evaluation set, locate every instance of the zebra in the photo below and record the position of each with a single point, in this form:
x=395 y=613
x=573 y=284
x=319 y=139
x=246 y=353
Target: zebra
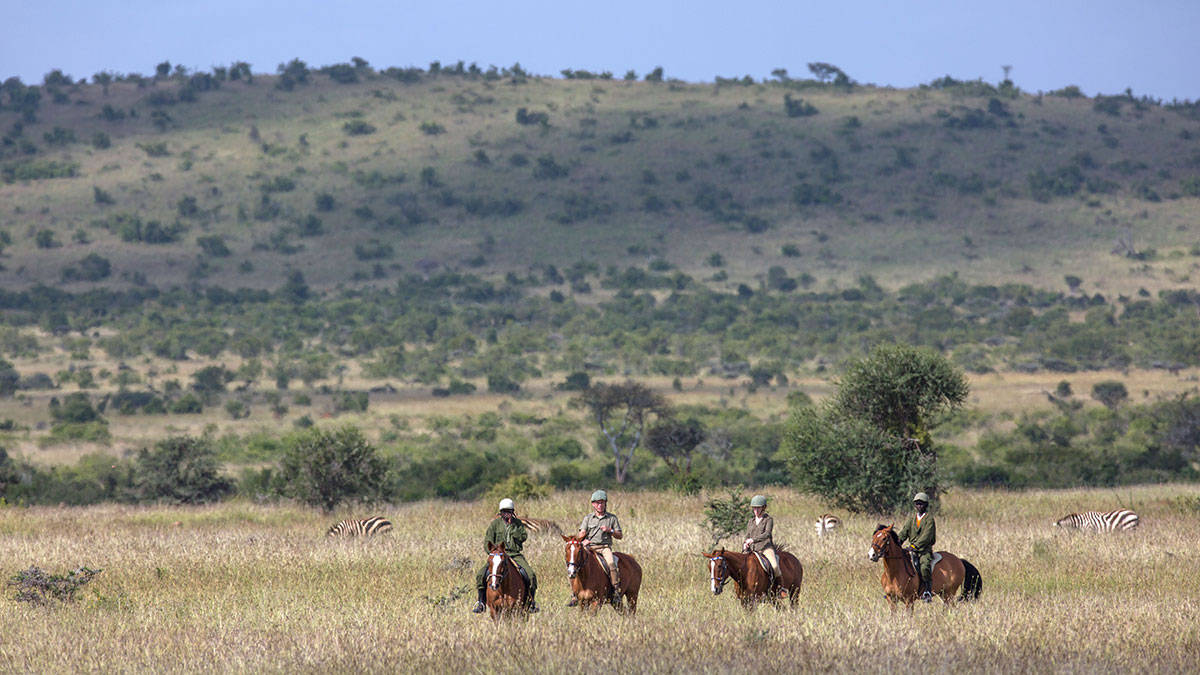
x=360 y=528
x=827 y=522
x=1121 y=519
x=536 y=525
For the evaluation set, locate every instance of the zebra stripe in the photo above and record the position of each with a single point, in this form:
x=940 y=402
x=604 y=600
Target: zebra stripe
x=360 y=528
x=826 y=523
x=1112 y=521
x=536 y=525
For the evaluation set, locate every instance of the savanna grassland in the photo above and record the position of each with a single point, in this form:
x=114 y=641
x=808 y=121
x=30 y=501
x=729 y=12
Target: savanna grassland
x=252 y=588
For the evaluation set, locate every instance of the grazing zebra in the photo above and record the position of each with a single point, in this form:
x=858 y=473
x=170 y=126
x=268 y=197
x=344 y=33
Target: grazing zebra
x=541 y=525
x=826 y=523
x=1121 y=519
x=360 y=528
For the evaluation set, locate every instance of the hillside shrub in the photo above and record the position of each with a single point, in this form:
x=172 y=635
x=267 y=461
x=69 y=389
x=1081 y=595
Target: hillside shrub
x=180 y=470
x=358 y=128
x=37 y=169
x=325 y=467
x=92 y=267
x=798 y=107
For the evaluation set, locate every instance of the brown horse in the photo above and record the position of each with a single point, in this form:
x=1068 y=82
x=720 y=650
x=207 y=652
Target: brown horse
x=506 y=593
x=590 y=582
x=751 y=582
x=900 y=579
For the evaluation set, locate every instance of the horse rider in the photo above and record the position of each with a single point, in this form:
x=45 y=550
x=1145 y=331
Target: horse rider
x=598 y=530
x=506 y=529
x=921 y=533
x=758 y=535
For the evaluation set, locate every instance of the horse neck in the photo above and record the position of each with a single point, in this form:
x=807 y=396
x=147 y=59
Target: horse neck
x=738 y=565
x=511 y=581
x=895 y=560
x=589 y=565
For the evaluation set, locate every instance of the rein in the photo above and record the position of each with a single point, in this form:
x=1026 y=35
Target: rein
x=724 y=570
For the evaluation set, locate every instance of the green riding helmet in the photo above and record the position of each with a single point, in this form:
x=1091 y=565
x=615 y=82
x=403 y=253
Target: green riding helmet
x=921 y=497
x=758 y=500
x=599 y=496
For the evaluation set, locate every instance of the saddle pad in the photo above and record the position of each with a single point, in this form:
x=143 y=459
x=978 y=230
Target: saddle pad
x=603 y=564
x=766 y=564
x=937 y=558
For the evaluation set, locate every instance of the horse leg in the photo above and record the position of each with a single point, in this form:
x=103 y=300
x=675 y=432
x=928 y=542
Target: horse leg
x=631 y=601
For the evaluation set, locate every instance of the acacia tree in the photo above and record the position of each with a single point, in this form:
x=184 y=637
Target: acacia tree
x=674 y=441
x=621 y=411
x=869 y=448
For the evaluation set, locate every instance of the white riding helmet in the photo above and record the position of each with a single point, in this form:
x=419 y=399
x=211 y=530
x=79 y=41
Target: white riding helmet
x=506 y=504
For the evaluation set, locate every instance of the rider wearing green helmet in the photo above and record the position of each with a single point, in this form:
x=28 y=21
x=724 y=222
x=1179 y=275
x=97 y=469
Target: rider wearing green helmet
x=921 y=533
x=598 y=530
x=759 y=534
x=506 y=528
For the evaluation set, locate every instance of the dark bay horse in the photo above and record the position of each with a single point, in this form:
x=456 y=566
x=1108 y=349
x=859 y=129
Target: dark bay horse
x=505 y=594
x=900 y=580
x=590 y=583
x=751 y=582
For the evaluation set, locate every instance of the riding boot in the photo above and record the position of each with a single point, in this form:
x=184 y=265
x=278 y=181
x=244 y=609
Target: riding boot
x=926 y=596
x=479 y=607
x=615 y=595
x=532 y=608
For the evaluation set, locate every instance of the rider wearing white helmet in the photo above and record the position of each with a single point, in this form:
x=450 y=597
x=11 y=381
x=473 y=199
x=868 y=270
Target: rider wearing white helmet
x=506 y=528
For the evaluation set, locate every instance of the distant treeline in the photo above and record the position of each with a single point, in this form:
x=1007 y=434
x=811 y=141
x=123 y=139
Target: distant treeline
x=458 y=326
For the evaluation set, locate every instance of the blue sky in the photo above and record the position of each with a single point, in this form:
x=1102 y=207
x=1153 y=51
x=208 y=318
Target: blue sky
x=1103 y=46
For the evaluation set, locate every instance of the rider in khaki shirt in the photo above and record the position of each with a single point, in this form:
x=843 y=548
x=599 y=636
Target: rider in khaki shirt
x=598 y=529
x=758 y=533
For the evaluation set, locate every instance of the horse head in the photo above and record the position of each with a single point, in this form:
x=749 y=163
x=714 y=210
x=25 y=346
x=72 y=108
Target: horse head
x=882 y=540
x=496 y=564
x=718 y=570
x=574 y=555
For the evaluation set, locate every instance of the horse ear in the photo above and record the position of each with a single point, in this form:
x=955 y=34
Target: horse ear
x=880 y=526
x=565 y=537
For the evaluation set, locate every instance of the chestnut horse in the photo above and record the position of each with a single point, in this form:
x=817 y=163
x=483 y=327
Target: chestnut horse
x=901 y=582
x=590 y=582
x=751 y=582
x=506 y=593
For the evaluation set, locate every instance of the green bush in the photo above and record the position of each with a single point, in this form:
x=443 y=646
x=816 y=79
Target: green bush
x=324 y=468
x=359 y=128
x=726 y=517
x=37 y=169
x=180 y=470
x=519 y=487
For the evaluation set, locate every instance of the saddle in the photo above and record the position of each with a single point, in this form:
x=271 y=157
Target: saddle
x=766 y=565
x=603 y=563
x=915 y=560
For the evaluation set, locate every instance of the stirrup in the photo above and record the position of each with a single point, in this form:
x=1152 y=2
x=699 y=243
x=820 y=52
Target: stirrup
x=533 y=608
x=926 y=597
x=478 y=608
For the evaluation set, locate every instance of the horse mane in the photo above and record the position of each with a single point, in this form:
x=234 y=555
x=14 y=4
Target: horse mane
x=892 y=532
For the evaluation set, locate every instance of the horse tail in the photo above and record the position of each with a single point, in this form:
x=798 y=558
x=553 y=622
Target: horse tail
x=972 y=582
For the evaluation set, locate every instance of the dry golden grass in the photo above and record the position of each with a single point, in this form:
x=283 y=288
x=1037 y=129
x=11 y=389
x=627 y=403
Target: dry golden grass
x=242 y=587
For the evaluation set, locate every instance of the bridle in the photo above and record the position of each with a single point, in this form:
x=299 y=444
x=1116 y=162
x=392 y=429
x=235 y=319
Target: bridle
x=574 y=550
x=493 y=565
x=718 y=585
x=876 y=554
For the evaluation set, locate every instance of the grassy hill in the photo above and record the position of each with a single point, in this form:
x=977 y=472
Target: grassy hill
x=430 y=253
x=360 y=182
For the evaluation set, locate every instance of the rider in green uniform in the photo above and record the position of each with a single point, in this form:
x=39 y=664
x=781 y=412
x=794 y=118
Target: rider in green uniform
x=506 y=529
x=921 y=533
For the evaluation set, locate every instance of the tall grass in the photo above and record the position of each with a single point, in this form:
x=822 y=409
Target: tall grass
x=242 y=587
